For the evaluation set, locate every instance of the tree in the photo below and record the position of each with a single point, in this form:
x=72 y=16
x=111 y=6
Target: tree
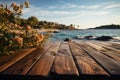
x=33 y=21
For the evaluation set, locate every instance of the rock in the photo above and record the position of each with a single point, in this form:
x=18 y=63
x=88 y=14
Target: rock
x=104 y=38
x=88 y=37
x=56 y=32
x=67 y=39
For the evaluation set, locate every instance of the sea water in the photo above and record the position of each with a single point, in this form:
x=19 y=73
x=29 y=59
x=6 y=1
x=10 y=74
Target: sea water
x=80 y=34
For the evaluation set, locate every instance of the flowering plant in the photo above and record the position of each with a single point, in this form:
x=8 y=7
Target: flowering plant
x=22 y=38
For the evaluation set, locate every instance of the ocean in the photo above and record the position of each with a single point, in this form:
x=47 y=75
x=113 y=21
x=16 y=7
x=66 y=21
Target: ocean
x=80 y=34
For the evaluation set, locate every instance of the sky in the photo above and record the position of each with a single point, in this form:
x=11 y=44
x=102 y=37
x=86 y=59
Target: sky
x=85 y=13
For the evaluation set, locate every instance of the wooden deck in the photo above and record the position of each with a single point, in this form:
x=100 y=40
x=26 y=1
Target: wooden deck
x=88 y=60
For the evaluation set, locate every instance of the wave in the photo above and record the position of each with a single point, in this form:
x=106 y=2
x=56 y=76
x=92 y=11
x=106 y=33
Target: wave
x=85 y=34
x=115 y=38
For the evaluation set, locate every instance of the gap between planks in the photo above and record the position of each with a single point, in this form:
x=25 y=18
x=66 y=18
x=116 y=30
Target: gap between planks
x=110 y=65
x=86 y=65
x=110 y=53
x=43 y=66
x=25 y=64
x=6 y=61
x=64 y=63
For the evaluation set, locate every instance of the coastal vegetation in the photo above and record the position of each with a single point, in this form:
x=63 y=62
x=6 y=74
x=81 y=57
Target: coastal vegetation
x=37 y=24
x=54 y=25
x=112 y=26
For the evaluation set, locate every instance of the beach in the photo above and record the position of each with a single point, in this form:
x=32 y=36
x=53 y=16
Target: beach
x=47 y=30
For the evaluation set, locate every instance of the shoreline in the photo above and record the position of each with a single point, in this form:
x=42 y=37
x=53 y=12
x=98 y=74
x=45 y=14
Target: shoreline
x=48 y=30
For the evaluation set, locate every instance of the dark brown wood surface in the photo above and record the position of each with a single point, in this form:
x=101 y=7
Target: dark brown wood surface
x=109 y=53
x=43 y=66
x=24 y=65
x=75 y=58
x=6 y=61
x=64 y=63
x=86 y=65
x=109 y=64
x=113 y=51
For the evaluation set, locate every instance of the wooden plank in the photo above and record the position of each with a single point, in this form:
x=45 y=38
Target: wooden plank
x=112 y=44
x=112 y=50
x=104 y=51
x=112 y=66
x=7 y=61
x=86 y=65
x=24 y=65
x=116 y=46
x=43 y=66
x=116 y=43
x=64 y=64
x=64 y=49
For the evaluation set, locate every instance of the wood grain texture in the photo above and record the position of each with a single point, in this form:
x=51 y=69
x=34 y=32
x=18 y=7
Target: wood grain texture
x=115 y=45
x=64 y=63
x=43 y=66
x=85 y=64
x=108 y=48
x=104 y=51
x=24 y=65
x=112 y=66
x=65 y=59
x=64 y=49
x=7 y=61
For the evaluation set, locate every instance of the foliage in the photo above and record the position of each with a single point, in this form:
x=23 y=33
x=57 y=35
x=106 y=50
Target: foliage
x=33 y=21
x=14 y=37
x=53 y=25
x=112 y=26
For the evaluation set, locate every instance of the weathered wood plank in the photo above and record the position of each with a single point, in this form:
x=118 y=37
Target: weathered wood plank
x=116 y=46
x=64 y=63
x=86 y=65
x=23 y=66
x=43 y=66
x=113 y=45
x=64 y=49
x=113 y=51
x=104 y=51
x=7 y=61
x=112 y=66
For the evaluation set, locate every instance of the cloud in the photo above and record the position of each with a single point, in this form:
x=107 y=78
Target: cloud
x=90 y=6
x=65 y=6
x=44 y=12
x=69 y=5
x=37 y=11
x=100 y=6
x=112 y=6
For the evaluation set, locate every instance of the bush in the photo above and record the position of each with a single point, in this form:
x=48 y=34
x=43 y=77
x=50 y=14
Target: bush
x=12 y=36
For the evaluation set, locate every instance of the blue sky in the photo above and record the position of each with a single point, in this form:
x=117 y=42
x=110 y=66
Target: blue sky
x=85 y=13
